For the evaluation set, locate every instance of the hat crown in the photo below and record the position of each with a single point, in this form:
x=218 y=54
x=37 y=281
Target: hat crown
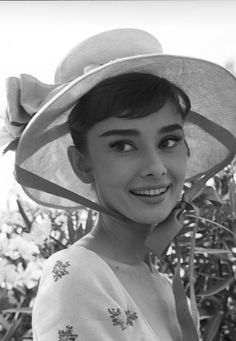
x=103 y=48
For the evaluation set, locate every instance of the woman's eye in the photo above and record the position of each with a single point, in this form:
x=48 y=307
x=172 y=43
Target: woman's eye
x=121 y=146
x=170 y=142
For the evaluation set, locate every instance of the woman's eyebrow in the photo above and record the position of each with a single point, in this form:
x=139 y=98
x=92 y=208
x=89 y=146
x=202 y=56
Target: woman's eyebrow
x=123 y=132
x=170 y=128
x=134 y=132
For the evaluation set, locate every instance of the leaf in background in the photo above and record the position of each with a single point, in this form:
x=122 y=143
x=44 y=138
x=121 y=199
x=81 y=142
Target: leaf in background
x=23 y=310
x=80 y=232
x=4 y=299
x=71 y=230
x=210 y=305
x=6 y=325
x=13 y=329
x=232 y=195
x=221 y=285
x=213 y=326
x=203 y=250
x=209 y=194
x=24 y=216
x=194 y=309
x=89 y=222
x=217 y=225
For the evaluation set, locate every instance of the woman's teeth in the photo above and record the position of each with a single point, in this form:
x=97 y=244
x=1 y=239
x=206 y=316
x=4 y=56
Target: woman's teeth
x=151 y=192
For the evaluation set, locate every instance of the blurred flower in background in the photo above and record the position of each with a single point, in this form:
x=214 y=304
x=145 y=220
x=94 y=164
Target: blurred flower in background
x=40 y=230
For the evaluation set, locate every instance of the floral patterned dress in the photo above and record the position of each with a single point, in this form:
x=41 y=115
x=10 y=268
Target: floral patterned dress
x=83 y=297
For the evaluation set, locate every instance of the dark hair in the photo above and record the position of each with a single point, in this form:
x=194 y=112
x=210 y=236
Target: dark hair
x=130 y=95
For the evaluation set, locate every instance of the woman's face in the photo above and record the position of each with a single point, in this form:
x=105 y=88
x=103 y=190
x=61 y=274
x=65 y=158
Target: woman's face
x=139 y=165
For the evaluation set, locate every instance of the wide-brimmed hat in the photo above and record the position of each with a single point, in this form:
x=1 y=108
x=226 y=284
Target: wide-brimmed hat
x=37 y=113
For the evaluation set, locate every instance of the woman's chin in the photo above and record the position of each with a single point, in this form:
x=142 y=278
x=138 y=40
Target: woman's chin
x=148 y=219
x=145 y=217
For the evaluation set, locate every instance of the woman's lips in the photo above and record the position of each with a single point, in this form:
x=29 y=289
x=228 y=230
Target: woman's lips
x=151 y=195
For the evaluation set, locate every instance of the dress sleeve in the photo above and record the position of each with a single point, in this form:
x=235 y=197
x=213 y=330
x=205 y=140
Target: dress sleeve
x=77 y=301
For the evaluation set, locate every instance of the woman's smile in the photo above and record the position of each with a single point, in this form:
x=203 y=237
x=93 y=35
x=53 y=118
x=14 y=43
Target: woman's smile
x=152 y=195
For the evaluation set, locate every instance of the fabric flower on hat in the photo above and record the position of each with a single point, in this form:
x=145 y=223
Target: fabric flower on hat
x=25 y=96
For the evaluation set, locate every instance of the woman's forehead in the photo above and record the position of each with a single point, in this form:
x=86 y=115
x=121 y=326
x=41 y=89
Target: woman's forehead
x=167 y=116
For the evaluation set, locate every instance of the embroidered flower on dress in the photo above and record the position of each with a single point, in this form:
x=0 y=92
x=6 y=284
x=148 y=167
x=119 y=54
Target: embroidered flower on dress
x=131 y=317
x=67 y=335
x=60 y=269
x=116 y=316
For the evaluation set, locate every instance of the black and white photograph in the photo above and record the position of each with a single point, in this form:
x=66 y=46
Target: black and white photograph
x=118 y=170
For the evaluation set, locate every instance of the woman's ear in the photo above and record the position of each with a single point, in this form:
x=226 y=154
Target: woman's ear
x=80 y=164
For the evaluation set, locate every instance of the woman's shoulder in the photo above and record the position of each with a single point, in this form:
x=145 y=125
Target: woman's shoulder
x=161 y=277
x=78 y=263
x=77 y=270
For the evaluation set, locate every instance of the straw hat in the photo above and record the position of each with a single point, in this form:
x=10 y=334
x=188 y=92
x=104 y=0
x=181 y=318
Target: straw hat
x=37 y=113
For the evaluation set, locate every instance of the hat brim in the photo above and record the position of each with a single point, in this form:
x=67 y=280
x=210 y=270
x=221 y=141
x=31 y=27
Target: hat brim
x=43 y=145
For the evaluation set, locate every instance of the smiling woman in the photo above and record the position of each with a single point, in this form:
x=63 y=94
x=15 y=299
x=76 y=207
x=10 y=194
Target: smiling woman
x=119 y=135
x=140 y=119
x=152 y=155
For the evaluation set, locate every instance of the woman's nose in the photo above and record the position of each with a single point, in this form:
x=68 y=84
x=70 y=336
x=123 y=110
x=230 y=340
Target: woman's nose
x=153 y=165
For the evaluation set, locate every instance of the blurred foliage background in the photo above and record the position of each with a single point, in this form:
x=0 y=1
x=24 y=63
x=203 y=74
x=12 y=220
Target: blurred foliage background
x=29 y=234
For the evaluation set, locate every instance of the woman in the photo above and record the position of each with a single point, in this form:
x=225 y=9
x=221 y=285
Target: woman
x=119 y=135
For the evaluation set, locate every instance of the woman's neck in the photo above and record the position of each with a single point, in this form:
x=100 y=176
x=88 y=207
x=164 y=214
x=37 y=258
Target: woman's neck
x=116 y=239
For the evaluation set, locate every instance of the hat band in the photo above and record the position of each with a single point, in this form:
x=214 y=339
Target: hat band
x=218 y=132
x=221 y=134
x=31 y=180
